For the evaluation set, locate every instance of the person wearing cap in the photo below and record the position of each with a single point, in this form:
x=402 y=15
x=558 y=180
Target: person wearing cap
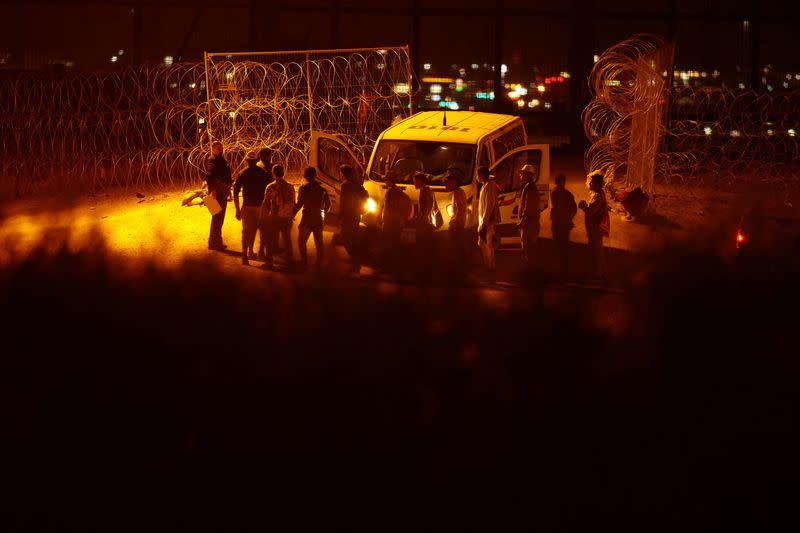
x=562 y=211
x=313 y=200
x=276 y=216
x=529 y=210
x=251 y=182
x=488 y=217
x=218 y=181
x=264 y=163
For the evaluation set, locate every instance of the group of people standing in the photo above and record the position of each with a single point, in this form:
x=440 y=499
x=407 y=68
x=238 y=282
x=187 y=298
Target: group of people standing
x=269 y=206
x=562 y=212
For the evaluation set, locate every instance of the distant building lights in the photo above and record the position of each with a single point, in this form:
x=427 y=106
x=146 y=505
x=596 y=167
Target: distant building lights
x=707 y=130
x=770 y=132
x=436 y=97
x=503 y=69
x=435 y=88
x=229 y=76
x=520 y=103
x=232 y=114
x=791 y=132
x=565 y=75
x=741 y=85
x=540 y=88
x=192 y=85
x=401 y=88
x=596 y=58
x=201 y=120
x=168 y=61
x=113 y=59
x=120 y=52
x=736 y=133
x=475 y=66
x=548 y=105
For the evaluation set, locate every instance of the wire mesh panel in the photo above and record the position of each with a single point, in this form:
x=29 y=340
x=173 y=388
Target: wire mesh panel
x=275 y=99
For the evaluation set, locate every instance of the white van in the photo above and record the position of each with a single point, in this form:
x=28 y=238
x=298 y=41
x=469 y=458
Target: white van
x=432 y=142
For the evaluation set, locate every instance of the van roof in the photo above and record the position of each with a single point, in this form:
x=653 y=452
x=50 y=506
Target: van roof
x=462 y=126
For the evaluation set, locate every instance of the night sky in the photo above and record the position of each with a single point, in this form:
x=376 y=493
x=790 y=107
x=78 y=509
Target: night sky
x=89 y=34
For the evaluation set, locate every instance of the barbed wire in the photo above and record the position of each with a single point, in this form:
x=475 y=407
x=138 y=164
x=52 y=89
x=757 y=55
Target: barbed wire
x=148 y=126
x=700 y=135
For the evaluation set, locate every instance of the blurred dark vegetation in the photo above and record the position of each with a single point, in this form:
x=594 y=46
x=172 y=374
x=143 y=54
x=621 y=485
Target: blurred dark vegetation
x=197 y=399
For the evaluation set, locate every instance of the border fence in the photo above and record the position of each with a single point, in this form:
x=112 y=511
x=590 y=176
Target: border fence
x=150 y=126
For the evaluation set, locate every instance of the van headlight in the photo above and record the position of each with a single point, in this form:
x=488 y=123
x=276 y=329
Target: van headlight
x=371 y=206
x=450 y=210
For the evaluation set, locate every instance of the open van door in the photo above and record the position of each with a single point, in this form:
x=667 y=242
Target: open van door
x=507 y=176
x=328 y=153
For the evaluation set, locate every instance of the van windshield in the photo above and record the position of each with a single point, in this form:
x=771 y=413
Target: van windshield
x=434 y=159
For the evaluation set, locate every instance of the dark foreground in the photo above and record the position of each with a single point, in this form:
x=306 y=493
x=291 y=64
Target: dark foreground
x=199 y=401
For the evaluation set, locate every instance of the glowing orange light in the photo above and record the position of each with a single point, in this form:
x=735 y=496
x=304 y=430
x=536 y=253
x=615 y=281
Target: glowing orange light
x=740 y=238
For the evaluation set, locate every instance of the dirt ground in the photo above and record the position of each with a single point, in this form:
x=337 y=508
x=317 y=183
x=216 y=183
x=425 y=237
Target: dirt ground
x=154 y=225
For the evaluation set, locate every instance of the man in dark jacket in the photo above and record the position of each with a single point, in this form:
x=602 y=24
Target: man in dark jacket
x=351 y=206
x=395 y=212
x=251 y=182
x=315 y=203
x=218 y=179
x=562 y=211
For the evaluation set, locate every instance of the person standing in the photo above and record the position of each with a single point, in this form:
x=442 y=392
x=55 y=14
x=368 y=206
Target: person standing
x=218 y=180
x=395 y=212
x=352 y=205
x=277 y=212
x=315 y=203
x=529 y=210
x=264 y=163
x=251 y=182
x=458 y=217
x=594 y=213
x=425 y=217
x=562 y=211
x=488 y=217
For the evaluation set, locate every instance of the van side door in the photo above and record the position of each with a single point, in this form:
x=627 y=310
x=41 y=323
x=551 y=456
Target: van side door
x=328 y=152
x=506 y=173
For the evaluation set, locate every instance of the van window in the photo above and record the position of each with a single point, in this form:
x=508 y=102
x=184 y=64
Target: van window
x=404 y=158
x=508 y=141
x=484 y=156
x=331 y=155
x=507 y=173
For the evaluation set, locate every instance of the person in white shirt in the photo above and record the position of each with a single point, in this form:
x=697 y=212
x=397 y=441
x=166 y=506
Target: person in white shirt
x=488 y=217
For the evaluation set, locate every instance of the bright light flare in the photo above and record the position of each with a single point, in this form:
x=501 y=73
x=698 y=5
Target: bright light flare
x=371 y=205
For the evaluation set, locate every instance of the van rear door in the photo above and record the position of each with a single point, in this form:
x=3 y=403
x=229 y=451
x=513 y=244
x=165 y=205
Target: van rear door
x=507 y=176
x=328 y=153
